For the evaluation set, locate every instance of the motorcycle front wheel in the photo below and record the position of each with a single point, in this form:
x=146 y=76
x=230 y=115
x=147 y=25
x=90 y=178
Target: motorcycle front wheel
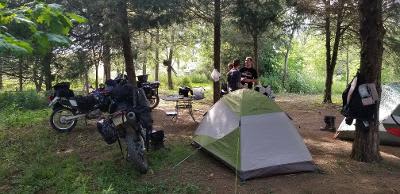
x=58 y=121
x=135 y=152
x=153 y=101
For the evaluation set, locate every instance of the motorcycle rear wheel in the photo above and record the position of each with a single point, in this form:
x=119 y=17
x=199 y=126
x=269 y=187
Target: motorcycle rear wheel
x=154 y=101
x=135 y=153
x=58 y=122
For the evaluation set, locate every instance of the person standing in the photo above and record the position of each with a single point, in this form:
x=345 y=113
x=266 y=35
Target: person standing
x=248 y=73
x=234 y=76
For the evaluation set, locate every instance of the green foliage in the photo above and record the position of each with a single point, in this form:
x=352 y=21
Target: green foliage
x=13 y=45
x=76 y=17
x=270 y=60
x=73 y=66
x=274 y=80
x=300 y=83
x=257 y=15
x=155 y=13
x=28 y=100
x=185 y=81
x=199 y=78
x=19 y=109
x=193 y=80
x=34 y=25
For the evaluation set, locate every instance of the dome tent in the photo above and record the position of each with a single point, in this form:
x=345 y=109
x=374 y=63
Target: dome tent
x=251 y=134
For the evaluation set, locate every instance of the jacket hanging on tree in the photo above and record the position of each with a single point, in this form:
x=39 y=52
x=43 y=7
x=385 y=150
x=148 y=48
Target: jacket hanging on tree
x=359 y=100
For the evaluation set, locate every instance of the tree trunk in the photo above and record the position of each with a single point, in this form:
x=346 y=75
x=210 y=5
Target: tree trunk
x=47 y=70
x=255 y=52
x=331 y=68
x=157 y=57
x=20 y=75
x=86 y=87
x=366 y=140
x=1 y=74
x=36 y=77
x=217 y=46
x=126 y=42
x=169 y=69
x=40 y=83
x=347 y=65
x=144 y=72
x=144 y=68
x=169 y=74
x=328 y=80
x=97 y=74
x=285 y=69
x=107 y=60
x=37 y=80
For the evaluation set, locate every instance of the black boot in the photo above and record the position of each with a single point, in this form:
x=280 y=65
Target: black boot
x=330 y=124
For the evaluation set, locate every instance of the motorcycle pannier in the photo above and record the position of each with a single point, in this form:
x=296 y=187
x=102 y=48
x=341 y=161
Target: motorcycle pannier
x=86 y=103
x=62 y=90
x=107 y=130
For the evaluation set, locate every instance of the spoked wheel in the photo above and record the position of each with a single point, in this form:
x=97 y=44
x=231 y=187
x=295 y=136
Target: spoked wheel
x=136 y=152
x=154 y=100
x=58 y=120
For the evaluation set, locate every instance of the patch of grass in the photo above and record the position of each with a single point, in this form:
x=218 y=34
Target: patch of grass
x=147 y=187
x=167 y=158
x=119 y=177
x=12 y=117
x=49 y=172
x=186 y=188
x=30 y=162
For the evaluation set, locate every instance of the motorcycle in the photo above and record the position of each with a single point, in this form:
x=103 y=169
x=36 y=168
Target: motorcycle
x=123 y=124
x=68 y=108
x=150 y=89
x=129 y=119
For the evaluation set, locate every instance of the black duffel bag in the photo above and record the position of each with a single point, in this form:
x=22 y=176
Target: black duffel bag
x=157 y=139
x=107 y=130
x=86 y=103
x=184 y=91
x=63 y=90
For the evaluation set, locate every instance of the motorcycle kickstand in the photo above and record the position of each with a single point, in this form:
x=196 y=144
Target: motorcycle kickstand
x=147 y=142
x=120 y=147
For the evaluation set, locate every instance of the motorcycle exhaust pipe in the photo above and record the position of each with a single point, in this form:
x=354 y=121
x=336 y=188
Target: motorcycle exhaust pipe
x=131 y=117
x=69 y=118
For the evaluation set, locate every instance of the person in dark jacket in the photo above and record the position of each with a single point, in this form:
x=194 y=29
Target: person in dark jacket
x=234 y=76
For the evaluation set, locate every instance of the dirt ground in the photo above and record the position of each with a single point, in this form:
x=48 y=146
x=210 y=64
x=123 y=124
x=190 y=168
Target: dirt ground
x=337 y=172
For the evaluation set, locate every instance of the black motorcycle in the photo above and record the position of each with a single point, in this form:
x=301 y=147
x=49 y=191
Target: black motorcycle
x=130 y=119
x=124 y=124
x=150 y=89
x=68 y=108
